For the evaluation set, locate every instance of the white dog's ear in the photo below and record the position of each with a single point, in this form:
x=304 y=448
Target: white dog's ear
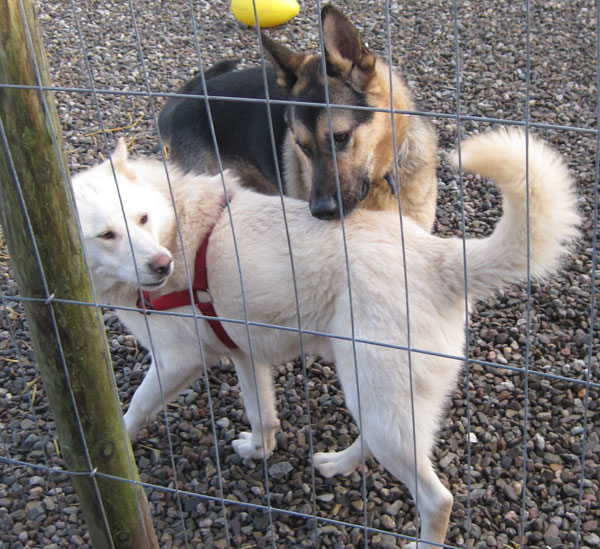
x=120 y=155
x=120 y=159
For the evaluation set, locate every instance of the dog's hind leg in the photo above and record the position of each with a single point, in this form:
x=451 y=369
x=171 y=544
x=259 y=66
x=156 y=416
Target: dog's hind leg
x=330 y=464
x=259 y=401
x=387 y=430
x=434 y=501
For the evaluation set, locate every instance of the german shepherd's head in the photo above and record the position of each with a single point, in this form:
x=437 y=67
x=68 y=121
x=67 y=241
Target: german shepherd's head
x=358 y=140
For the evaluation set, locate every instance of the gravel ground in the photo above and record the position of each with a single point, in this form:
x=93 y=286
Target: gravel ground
x=561 y=507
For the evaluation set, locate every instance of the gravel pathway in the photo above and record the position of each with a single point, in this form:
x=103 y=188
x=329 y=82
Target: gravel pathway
x=561 y=507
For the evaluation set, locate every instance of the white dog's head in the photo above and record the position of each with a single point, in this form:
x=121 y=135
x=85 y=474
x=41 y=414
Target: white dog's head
x=120 y=224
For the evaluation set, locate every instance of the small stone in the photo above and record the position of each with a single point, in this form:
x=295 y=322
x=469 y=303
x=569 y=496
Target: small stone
x=37 y=480
x=551 y=458
x=540 y=443
x=393 y=509
x=27 y=424
x=502 y=338
x=358 y=505
x=551 y=536
x=191 y=397
x=592 y=539
x=191 y=503
x=511 y=492
x=570 y=491
x=77 y=540
x=36 y=491
x=279 y=470
x=223 y=422
x=477 y=493
x=328 y=529
x=387 y=542
x=447 y=460
x=28 y=443
x=34 y=509
x=325 y=498
x=388 y=522
x=49 y=503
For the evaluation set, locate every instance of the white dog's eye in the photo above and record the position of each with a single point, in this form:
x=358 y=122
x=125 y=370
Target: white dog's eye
x=143 y=219
x=107 y=235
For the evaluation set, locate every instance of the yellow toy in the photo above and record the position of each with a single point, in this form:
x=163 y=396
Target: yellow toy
x=270 y=12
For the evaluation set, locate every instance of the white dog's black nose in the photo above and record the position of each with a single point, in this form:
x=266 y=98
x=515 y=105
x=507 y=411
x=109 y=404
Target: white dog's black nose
x=161 y=264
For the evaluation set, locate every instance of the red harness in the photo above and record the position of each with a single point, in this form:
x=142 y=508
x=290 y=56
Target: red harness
x=182 y=298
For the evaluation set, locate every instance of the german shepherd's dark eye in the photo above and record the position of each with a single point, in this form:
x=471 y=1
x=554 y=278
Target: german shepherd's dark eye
x=108 y=235
x=143 y=219
x=304 y=149
x=341 y=138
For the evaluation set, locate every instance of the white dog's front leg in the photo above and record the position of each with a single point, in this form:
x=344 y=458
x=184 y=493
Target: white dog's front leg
x=147 y=401
x=259 y=401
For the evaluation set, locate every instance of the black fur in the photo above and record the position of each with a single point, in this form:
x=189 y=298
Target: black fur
x=241 y=127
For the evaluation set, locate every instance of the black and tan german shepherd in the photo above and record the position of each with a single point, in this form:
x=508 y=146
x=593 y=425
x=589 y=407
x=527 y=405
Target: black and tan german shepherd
x=305 y=137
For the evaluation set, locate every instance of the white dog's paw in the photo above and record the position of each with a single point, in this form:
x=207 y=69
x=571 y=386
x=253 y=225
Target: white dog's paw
x=133 y=424
x=330 y=464
x=249 y=447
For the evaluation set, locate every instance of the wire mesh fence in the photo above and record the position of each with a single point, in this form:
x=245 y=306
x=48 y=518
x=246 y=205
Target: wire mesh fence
x=519 y=444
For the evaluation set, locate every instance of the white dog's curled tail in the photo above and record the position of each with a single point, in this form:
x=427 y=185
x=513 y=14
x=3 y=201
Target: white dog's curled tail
x=553 y=219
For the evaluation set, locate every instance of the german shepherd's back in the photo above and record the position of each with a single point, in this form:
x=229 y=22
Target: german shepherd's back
x=241 y=128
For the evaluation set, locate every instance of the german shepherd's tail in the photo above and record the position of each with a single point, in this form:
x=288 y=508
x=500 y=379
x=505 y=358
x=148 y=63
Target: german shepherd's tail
x=553 y=219
x=222 y=67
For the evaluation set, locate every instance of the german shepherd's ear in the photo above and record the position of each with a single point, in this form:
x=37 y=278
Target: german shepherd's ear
x=346 y=55
x=285 y=60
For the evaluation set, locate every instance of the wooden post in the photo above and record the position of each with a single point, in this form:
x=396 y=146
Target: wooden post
x=69 y=340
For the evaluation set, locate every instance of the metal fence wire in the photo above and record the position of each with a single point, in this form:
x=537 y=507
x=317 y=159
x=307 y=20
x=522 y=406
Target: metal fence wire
x=519 y=443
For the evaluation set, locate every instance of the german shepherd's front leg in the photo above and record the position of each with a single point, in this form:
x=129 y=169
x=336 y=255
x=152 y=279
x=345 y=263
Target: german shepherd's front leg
x=256 y=383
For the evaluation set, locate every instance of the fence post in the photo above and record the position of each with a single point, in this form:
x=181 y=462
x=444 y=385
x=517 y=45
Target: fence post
x=68 y=338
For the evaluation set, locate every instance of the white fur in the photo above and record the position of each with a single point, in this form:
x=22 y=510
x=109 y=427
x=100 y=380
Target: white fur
x=434 y=283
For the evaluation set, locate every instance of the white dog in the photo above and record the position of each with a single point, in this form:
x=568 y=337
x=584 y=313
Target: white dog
x=376 y=378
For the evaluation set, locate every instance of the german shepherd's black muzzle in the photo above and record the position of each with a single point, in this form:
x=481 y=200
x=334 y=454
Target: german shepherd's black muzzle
x=324 y=199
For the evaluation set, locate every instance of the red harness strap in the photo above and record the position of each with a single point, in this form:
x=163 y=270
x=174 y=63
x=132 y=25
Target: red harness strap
x=182 y=298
